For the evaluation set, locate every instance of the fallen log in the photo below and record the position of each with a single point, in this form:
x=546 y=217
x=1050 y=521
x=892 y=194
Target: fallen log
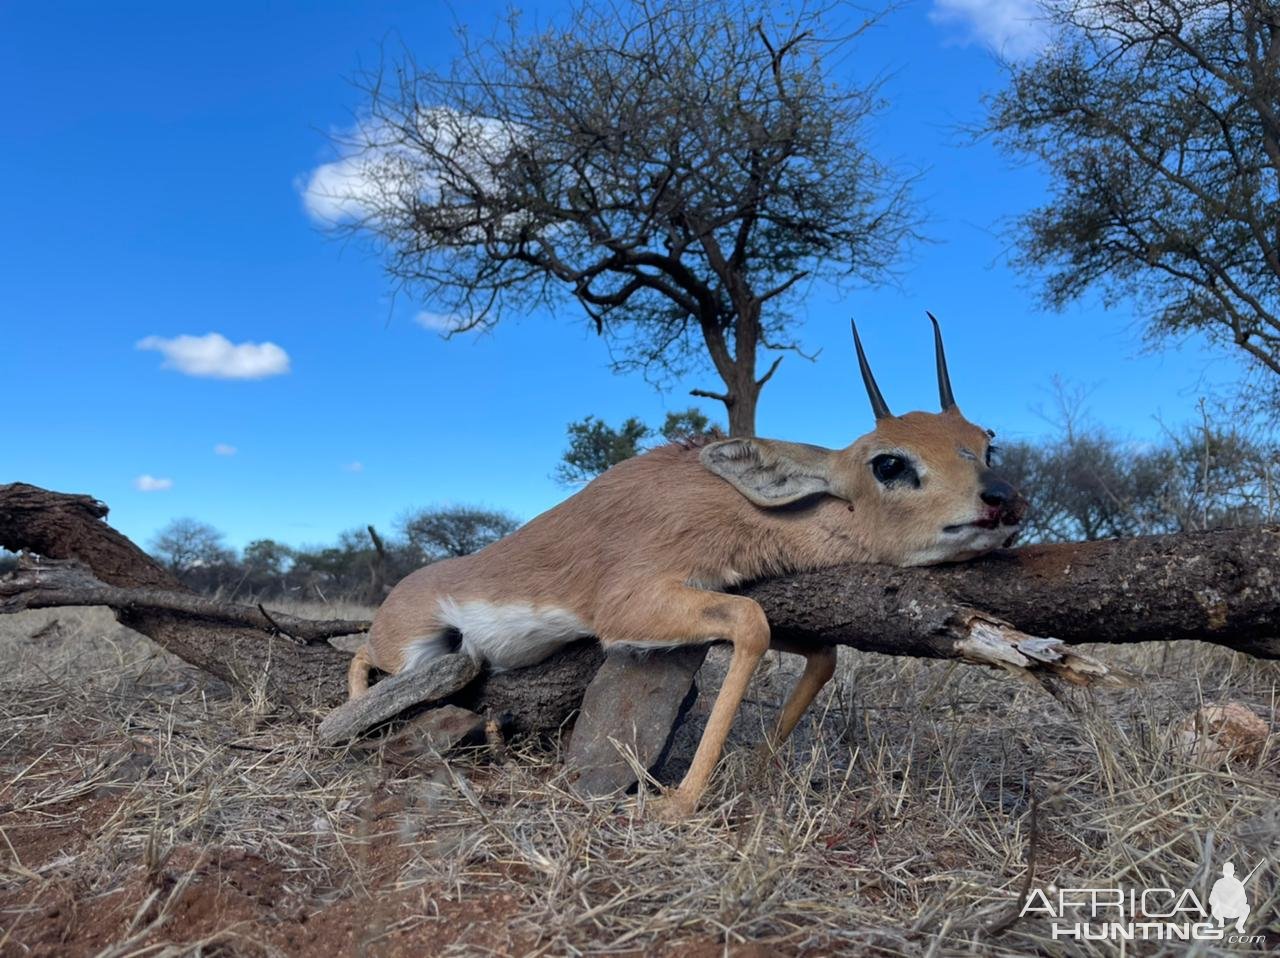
x=1221 y=586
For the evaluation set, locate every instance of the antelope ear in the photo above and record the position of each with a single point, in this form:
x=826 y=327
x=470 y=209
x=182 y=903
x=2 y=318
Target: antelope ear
x=768 y=472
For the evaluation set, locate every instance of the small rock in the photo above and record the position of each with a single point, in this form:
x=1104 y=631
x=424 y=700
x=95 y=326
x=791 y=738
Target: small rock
x=635 y=699
x=1214 y=734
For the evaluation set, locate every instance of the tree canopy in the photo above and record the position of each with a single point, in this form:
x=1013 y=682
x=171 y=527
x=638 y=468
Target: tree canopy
x=1159 y=123
x=1085 y=483
x=676 y=169
x=187 y=544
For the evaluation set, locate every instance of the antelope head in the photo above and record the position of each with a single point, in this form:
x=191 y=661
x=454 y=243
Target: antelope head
x=921 y=487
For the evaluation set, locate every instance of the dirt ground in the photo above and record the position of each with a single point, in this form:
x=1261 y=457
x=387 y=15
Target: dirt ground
x=148 y=810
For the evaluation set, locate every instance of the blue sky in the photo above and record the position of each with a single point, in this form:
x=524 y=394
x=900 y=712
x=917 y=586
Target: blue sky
x=153 y=182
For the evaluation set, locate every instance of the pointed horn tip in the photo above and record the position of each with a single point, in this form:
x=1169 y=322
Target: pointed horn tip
x=879 y=408
x=945 y=395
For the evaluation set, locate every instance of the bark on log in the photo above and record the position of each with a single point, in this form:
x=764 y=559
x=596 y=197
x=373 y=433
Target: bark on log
x=61 y=525
x=55 y=583
x=538 y=698
x=1221 y=586
x=397 y=695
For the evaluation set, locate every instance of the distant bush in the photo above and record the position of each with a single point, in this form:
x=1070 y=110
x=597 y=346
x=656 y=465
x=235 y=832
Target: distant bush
x=454 y=530
x=1092 y=485
x=595 y=446
x=361 y=566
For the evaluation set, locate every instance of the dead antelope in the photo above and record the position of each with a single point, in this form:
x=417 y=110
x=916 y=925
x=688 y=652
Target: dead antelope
x=640 y=555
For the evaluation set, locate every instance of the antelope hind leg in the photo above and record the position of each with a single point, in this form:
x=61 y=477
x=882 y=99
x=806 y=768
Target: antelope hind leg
x=819 y=666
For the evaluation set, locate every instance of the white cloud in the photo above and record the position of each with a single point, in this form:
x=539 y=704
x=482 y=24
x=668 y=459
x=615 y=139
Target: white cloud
x=1012 y=28
x=214 y=356
x=354 y=466
x=378 y=173
x=439 y=322
x=146 y=483
x=339 y=191
x=223 y=449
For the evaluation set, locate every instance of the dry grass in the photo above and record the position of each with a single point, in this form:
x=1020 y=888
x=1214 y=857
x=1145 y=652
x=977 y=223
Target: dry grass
x=147 y=810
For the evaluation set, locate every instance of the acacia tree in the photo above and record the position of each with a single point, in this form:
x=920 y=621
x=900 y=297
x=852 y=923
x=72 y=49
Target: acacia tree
x=187 y=544
x=1160 y=125
x=454 y=531
x=677 y=168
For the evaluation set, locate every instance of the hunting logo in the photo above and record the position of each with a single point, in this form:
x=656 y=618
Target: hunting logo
x=1228 y=898
x=1148 y=914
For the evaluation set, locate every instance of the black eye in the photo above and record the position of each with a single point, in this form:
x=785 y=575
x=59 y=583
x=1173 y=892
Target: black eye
x=890 y=469
x=993 y=455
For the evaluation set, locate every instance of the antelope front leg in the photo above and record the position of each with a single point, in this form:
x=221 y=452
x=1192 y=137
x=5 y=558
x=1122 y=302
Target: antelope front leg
x=680 y=615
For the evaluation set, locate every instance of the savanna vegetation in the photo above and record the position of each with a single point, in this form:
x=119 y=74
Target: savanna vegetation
x=677 y=172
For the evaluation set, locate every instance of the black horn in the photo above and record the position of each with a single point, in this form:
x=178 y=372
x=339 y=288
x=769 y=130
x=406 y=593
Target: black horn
x=945 y=396
x=878 y=406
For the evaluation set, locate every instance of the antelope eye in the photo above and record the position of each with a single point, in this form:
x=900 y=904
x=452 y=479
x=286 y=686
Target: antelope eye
x=888 y=469
x=993 y=455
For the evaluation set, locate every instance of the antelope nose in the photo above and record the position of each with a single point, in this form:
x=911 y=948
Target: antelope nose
x=997 y=493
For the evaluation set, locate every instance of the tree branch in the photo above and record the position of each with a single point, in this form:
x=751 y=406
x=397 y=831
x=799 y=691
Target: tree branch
x=53 y=583
x=708 y=394
x=773 y=368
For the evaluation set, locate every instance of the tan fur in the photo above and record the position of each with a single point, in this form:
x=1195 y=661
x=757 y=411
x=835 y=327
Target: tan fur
x=637 y=556
x=358 y=672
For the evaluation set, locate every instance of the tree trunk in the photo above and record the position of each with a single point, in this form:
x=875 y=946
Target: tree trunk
x=378 y=587
x=1221 y=586
x=741 y=407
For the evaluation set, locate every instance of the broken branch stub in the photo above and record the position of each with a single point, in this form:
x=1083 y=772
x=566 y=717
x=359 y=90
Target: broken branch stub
x=396 y=695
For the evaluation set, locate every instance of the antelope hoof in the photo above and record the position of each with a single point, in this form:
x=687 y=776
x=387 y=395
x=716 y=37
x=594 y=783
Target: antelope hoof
x=670 y=807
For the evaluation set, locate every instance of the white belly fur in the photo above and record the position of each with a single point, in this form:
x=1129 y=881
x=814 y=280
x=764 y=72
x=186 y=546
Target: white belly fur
x=513 y=634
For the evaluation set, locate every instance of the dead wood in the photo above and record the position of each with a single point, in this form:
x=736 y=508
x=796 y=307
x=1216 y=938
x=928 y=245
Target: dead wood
x=378 y=586
x=57 y=525
x=1220 y=586
x=398 y=694
x=630 y=712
